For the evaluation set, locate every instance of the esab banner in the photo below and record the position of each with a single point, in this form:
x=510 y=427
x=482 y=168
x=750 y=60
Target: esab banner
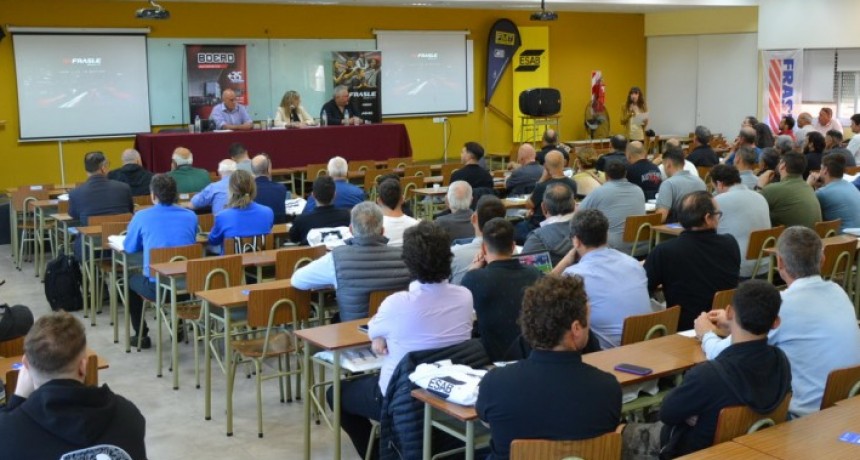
x=211 y=70
x=503 y=43
x=783 y=77
x=361 y=73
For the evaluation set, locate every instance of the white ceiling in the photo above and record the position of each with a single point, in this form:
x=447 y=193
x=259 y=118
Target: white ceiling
x=611 y=6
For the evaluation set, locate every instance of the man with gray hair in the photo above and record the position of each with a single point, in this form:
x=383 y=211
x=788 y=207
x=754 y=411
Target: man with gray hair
x=804 y=126
x=702 y=154
x=133 y=173
x=215 y=195
x=526 y=173
x=346 y=195
x=269 y=193
x=365 y=263
x=746 y=138
x=746 y=164
x=617 y=199
x=833 y=145
x=818 y=330
x=339 y=110
x=553 y=235
x=188 y=178
x=458 y=223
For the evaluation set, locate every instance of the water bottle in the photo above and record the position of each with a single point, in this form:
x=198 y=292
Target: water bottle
x=269 y=123
x=197 y=124
x=346 y=116
x=324 y=119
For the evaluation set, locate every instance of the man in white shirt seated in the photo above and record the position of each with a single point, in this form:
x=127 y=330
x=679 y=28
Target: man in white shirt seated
x=826 y=122
x=818 y=330
x=431 y=314
x=394 y=221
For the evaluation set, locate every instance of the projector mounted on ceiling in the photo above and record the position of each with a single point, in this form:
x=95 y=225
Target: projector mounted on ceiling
x=155 y=12
x=543 y=14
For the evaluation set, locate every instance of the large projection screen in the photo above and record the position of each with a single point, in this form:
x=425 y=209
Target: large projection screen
x=423 y=72
x=81 y=85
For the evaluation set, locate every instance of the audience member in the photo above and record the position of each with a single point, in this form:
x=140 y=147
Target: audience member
x=616 y=283
x=147 y=231
x=497 y=283
x=239 y=154
x=702 y=154
x=458 y=222
x=394 y=221
x=744 y=211
x=489 y=207
x=814 y=152
x=749 y=373
x=833 y=146
x=619 y=145
x=133 y=173
x=215 y=195
x=52 y=413
x=763 y=136
x=431 y=314
x=746 y=138
x=99 y=196
x=826 y=121
x=700 y=262
x=553 y=173
x=346 y=195
x=641 y=172
x=549 y=142
x=785 y=144
x=804 y=126
x=270 y=194
x=324 y=215
x=617 y=199
x=229 y=114
x=838 y=198
x=535 y=397
x=472 y=172
x=818 y=329
x=523 y=179
x=854 y=143
x=746 y=164
x=241 y=217
x=791 y=200
x=188 y=178
x=677 y=186
x=786 y=126
x=553 y=235
x=364 y=264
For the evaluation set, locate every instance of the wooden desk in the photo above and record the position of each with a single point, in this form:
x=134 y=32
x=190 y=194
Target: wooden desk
x=728 y=451
x=667 y=229
x=850 y=402
x=514 y=203
x=335 y=338
x=64 y=222
x=813 y=436
x=425 y=210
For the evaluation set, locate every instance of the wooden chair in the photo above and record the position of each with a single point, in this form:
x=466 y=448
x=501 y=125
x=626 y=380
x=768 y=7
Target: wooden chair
x=417 y=170
x=287 y=261
x=312 y=172
x=722 y=298
x=22 y=200
x=12 y=347
x=828 y=228
x=640 y=328
x=838 y=260
x=98 y=257
x=737 y=421
x=364 y=166
x=205 y=222
x=408 y=186
x=603 y=447
x=447 y=170
x=142 y=200
x=91 y=377
x=371 y=180
x=99 y=220
x=274 y=313
x=852 y=170
x=241 y=245
x=376 y=298
x=759 y=241
x=841 y=384
x=399 y=162
x=638 y=229
x=704 y=171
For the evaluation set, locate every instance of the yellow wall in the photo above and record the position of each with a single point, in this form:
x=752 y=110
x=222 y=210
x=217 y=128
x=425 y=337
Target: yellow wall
x=736 y=20
x=580 y=42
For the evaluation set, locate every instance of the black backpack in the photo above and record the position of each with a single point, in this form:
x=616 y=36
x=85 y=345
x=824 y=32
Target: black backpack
x=63 y=284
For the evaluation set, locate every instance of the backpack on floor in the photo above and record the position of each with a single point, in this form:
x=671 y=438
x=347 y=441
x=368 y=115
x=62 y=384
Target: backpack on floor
x=63 y=284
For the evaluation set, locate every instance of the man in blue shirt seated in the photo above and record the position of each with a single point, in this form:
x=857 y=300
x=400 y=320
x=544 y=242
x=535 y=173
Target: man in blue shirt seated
x=215 y=194
x=552 y=394
x=838 y=198
x=229 y=114
x=346 y=195
x=161 y=226
x=269 y=193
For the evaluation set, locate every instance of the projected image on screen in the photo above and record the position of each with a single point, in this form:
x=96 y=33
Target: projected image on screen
x=423 y=73
x=81 y=85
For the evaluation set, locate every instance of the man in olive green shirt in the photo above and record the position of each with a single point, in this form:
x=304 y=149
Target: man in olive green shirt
x=791 y=200
x=188 y=178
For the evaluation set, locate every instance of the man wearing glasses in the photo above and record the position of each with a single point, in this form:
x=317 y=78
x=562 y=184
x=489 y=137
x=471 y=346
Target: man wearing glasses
x=700 y=262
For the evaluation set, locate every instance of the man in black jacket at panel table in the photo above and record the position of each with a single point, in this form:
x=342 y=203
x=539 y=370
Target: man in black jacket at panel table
x=324 y=215
x=749 y=372
x=52 y=413
x=132 y=173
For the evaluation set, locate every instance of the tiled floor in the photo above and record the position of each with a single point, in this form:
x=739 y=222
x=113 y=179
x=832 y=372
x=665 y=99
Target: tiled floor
x=175 y=428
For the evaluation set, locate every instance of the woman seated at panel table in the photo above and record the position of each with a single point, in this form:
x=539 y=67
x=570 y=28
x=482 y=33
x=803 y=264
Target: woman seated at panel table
x=291 y=112
x=242 y=217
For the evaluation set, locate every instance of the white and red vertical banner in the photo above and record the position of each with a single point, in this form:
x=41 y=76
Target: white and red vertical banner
x=782 y=78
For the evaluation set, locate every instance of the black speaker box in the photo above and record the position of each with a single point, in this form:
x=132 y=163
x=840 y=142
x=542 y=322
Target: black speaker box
x=540 y=102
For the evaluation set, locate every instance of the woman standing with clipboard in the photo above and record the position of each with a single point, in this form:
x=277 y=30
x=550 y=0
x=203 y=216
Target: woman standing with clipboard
x=634 y=115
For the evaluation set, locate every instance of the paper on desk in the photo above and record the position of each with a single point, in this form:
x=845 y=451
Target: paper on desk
x=295 y=206
x=63 y=197
x=689 y=333
x=117 y=242
x=354 y=360
x=650 y=207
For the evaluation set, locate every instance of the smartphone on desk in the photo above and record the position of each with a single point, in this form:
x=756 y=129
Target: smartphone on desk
x=633 y=369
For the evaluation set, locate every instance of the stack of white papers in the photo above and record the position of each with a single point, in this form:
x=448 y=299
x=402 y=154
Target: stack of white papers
x=354 y=360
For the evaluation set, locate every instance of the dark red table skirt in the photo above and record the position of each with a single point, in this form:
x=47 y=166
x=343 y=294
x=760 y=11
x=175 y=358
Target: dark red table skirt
x=287 y=147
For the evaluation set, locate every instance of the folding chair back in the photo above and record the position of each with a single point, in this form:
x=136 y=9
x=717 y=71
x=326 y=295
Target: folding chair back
x=736 y=421
x=603 y=447
x=640 y=328
x=841 y=384
x=214 y=273
x=287 y=261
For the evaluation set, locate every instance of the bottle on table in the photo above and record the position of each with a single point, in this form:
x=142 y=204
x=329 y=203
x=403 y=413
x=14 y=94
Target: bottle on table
x=197 y=128
x=324 y=119
x=346 y=116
